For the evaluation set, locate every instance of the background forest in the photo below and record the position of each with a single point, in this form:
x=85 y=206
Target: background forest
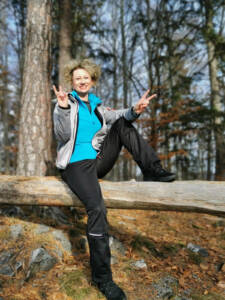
x=174 y=47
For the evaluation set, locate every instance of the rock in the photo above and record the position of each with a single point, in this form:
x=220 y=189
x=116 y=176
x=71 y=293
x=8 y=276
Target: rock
x=18 y=265
x=41 y=229
x=5 y=257
x=53 y=212
x=7 y=264
x=188 y=292
x=16 y=231
x=197 y=249
x=114 y=260
x=58 y=252
x=12 y=211
x=140 y=264
x=164 y=287
x=116 y=246
x=40 y=260
x=6 y=270
x=122 y=223
x=62 y=238
x=195 y=276
x=129 y=218
x=58 y=215
x=77 y=216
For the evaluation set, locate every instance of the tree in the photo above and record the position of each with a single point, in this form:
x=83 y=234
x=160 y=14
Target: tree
x=65 y=39
x=35 y=136
x=216 y=104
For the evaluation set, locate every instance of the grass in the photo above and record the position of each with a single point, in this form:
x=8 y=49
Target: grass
x=195 y=257
x=164 y=251
x=139 y=242
x=5 y=234
x=75 y=286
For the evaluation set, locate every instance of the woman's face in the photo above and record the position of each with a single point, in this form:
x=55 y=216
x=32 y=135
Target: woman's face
x=82 y=81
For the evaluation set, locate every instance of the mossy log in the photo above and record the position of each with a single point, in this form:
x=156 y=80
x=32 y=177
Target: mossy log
x=187 y=196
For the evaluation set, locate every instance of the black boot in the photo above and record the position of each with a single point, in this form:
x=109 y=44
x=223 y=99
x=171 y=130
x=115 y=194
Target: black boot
x=111 y=291
x=100 y=264
x=100 y=258
x=158 y=174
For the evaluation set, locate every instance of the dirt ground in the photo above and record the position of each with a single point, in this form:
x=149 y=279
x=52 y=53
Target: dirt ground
x=159 y=238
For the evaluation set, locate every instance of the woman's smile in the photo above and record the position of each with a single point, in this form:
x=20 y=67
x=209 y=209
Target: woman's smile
x=82 y=81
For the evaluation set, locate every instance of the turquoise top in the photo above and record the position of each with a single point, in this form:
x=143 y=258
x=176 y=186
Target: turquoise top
x=88 y=125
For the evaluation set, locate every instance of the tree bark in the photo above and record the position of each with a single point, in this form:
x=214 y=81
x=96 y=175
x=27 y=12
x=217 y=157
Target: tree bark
x=35 y=136
x=216 y=104
x=65 y=40
x=188 y=196
x=124 y=72
x=4 y=91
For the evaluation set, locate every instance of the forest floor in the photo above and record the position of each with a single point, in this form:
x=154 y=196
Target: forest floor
x=159 y=238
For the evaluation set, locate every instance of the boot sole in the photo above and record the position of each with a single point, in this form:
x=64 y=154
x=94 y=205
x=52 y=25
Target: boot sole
x=161 y=179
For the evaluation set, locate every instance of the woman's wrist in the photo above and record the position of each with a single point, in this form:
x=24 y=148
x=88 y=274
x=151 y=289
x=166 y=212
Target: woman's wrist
x=65 y=107
x=134 y=112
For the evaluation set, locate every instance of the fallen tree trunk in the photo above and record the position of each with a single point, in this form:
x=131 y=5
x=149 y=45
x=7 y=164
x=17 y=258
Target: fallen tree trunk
x=190 y=196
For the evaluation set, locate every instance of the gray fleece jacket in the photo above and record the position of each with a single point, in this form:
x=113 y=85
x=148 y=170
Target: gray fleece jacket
x=66 y=122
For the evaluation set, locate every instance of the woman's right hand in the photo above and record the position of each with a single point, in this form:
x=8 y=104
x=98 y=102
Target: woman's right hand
x=62 y=97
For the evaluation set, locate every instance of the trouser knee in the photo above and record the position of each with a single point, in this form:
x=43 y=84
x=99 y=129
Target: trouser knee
x=97 y=220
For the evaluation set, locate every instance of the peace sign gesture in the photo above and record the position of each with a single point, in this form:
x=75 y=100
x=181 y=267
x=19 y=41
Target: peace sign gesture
x=143 y=102
x=62 y=96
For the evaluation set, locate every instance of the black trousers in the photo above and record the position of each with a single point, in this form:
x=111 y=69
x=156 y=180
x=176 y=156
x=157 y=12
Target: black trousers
x=82 y=178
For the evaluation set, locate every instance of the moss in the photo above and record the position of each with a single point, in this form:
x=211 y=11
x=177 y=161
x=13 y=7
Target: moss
x=127 y=268
x=195 y=257
x=171 y=249
x=195 y=226
x=139 y=242
x=75 y=285
x=220 y=223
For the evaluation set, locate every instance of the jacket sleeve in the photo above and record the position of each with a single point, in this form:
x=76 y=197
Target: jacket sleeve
x=62 y=126
x=112 y=115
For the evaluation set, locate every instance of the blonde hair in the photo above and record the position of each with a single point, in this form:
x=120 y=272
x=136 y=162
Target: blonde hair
x=87 y=64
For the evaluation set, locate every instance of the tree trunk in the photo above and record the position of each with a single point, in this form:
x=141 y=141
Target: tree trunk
x=19 y=12
x=124 y=72
x=216 y=104
x=65 y=39
x=35 y=136
x=189 y=196
x=4 y=95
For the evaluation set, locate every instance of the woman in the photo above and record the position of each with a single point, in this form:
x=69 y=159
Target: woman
x=87 y=150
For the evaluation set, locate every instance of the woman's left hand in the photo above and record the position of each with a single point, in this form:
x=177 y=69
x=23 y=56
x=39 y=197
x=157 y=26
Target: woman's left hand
x=143 y=102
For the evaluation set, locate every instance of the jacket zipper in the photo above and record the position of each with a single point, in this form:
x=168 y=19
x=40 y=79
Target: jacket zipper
x=74 y=134
x=100 y=117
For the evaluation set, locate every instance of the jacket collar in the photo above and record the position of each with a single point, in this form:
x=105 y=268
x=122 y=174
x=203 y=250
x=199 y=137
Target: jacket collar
x=93 y=99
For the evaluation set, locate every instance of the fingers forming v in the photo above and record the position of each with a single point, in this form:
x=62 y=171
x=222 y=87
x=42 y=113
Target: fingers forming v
x=54 y=89
x=151 y=97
